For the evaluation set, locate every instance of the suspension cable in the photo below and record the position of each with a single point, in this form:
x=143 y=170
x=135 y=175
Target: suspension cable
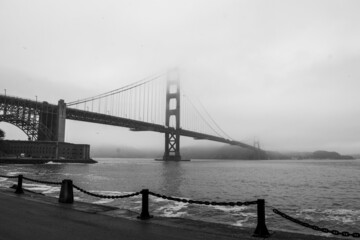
x=201 y=116
x=207 y=113
x=118 y=90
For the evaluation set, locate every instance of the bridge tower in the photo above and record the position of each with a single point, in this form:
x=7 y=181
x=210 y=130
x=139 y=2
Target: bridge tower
x=172 y=117
x=61 y=117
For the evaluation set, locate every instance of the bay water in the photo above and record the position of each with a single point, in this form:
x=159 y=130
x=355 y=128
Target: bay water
x=320 y=192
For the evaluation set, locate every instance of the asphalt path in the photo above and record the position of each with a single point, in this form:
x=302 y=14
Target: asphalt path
x=21 y=218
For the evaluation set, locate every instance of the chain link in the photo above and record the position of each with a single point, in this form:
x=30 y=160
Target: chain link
x=316 y=228
x=232 y=204
x=43 y=182
x=105 y=196
x=4 y=176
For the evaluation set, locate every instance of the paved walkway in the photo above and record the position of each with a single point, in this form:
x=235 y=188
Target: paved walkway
x=32 y=216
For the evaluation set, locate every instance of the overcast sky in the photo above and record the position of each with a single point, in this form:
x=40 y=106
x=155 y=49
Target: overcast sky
x=284 y=72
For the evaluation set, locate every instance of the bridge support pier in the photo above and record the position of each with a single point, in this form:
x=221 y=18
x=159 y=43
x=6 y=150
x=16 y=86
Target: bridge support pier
x=61 y=121
x=172 y=118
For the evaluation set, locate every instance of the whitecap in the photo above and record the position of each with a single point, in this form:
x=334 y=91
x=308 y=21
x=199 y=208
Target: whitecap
x=230 y=208
x=52 y=190
x=103 y=201
x=157 y=199
x=51 y=162
x=240 y=223
x=168 y=213
x=14 y=173
x=309 y=210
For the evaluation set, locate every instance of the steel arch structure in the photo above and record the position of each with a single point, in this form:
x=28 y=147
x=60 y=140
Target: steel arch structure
x=35 y=119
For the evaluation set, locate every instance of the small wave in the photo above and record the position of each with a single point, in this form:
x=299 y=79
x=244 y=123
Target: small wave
x=173 y=214
x=103 y=201
x=173 y=209
x=52 y=190
x=337 y=216
x=240 y=223
x=230 y=209
x=37 y=187
x=341 y=211
x=310 y=210
x=14 y=173
x=158 y=200
x=112 y=192
x=56 y=163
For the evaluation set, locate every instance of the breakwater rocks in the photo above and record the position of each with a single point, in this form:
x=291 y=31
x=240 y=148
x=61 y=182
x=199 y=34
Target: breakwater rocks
x=8 y=160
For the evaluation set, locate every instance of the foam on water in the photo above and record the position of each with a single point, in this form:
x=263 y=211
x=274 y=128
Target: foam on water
x=37 y=187
x=173 y=209
x=52 y=190
x=14 y=173
x=103 y=201
x=240 y=223
x=159 y=200
x=334 y=182
x=117 y=193
x=230 y=208
x=55 y=163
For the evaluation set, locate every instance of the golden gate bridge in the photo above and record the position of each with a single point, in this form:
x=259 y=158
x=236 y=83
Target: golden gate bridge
x=138 y=106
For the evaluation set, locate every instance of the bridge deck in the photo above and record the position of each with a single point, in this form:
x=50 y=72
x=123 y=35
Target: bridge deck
x=134 y=125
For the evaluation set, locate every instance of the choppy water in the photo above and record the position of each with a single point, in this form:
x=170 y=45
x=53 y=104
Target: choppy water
x=321 y=192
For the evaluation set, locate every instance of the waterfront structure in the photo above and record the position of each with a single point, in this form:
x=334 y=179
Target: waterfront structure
x=45 y=150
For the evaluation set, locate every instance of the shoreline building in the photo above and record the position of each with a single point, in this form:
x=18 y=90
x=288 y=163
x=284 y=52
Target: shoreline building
x=45 y=149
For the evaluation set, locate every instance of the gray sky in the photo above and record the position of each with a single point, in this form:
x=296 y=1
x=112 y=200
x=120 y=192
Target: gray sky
x=284 y=72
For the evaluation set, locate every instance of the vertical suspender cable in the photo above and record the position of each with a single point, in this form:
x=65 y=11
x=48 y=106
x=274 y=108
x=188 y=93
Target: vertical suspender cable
x=138 y=101
x=121 y=105
x=106 y=105
x=112 y=104
x=148 y=100
x=143 y=118
x=152 y=102
x=130 y=103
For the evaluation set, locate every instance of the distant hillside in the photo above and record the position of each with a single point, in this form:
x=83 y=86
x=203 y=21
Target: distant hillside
x=221 y=152
x=329 y=155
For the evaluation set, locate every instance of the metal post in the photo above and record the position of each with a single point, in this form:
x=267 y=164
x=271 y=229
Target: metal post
x=145 y=205
x=66 y=192
x=261 y=229
x=19 y=189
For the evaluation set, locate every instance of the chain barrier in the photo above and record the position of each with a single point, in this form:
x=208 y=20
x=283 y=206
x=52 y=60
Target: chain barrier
x=316 y=228
x=232 y=204
x=105 y=196
x=213 y=203
x=4 y=176
x=43 y=182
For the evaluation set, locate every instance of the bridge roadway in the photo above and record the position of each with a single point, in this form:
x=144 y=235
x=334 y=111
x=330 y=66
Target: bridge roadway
x=134 y=125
